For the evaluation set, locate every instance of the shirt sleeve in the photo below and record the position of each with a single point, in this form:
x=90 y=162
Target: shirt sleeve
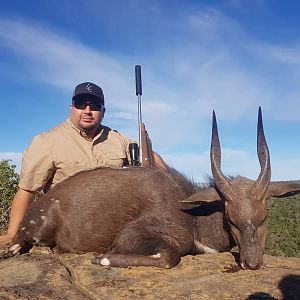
x=37 y=164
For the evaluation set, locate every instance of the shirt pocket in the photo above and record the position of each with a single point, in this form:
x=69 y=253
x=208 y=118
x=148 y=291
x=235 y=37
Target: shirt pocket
x=114 y=159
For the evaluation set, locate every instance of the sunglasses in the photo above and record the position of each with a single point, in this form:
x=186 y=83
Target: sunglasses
x=82 y=104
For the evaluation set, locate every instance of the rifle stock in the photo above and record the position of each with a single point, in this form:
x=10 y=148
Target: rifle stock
x=147 y=153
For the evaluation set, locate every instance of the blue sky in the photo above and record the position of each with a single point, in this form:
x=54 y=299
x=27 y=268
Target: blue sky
x=231 y=56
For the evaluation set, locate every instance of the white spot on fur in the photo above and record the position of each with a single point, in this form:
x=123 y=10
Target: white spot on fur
x=15 y=248
x=105 y=262
x=43 y=218
x=36 y=240
x=42 y=210
x=56 y=201
x=157 y=255
x=203 y=248
x=52 y=199
x=23 y=228
x=250 y=223
x=32 y=222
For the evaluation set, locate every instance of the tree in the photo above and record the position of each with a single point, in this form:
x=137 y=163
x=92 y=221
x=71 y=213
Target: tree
x=8 y=187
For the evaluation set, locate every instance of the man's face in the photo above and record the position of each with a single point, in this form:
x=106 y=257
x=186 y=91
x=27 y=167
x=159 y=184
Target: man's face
x=86 y=115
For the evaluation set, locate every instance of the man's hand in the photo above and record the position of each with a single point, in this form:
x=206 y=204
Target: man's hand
x=18 y=210
x=5 y=239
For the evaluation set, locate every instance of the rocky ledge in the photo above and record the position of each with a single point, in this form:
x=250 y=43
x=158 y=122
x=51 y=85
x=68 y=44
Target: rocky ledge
x=42 y=274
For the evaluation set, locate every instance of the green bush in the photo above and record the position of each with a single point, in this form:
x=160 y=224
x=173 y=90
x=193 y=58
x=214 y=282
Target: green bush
x=8 y=187
x=283 y=227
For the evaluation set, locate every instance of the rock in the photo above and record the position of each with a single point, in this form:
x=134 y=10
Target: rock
x=46 y=275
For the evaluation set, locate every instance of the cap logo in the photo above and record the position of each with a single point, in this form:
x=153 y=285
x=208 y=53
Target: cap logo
x=89 y=88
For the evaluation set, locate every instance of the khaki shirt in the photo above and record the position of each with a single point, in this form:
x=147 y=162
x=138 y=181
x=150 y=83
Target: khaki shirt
x=65 y=150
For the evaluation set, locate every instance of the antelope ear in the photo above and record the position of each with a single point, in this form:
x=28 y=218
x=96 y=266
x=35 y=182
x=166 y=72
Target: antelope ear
x=204 y=195
x=284 y=188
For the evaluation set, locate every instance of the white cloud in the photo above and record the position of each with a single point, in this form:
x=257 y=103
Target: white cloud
x=234 y=163
x=195 y=166
x=287 y=169
x=285 y=55
x=62 y=62
x=189 y=74
x=202 y=75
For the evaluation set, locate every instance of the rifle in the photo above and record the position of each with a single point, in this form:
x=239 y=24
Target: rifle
x=142 y=154
x=147 y=159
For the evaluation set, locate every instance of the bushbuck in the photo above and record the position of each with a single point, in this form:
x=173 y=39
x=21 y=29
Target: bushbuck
x=149 y=217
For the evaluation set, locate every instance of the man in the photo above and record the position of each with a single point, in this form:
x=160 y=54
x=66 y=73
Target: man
x=80 y=143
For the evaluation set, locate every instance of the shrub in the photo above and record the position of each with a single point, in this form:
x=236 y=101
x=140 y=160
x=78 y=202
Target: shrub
x=8 y=187
x=283 y=227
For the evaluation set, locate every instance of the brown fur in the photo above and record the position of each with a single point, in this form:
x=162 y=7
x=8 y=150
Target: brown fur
x=134 y=210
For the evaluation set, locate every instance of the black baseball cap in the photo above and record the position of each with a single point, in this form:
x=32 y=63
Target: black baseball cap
x=88 y=91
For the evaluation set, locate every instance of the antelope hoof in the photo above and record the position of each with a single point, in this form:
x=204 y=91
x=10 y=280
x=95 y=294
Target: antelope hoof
x=11 y=251
x=100 y=259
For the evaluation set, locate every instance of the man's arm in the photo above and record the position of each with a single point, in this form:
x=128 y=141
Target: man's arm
x=18 y=210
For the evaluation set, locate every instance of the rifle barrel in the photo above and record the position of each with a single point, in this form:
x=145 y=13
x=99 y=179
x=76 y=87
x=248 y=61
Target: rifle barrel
x=138 y=89
x=138 y=80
